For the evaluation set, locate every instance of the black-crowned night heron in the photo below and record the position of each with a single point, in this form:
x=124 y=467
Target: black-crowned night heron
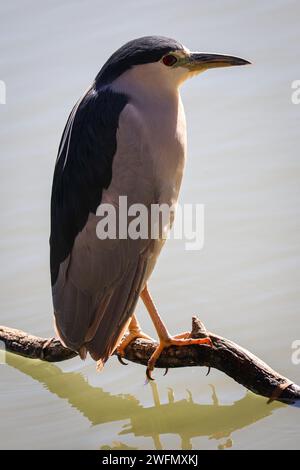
x=125 y=137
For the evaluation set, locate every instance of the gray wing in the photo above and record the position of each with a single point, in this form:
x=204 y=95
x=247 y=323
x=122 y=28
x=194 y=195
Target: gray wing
x=99 y=282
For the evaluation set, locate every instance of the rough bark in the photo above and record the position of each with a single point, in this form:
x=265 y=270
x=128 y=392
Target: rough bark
x=225 y=355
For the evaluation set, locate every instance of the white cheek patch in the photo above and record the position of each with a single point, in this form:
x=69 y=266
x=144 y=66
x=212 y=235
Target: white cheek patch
x=181 y=73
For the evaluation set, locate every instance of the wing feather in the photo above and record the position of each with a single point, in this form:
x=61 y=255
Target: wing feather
x=96 y=283
x=83 y=168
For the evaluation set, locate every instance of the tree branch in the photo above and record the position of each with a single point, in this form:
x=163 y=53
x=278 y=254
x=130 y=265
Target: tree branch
x=226 y=356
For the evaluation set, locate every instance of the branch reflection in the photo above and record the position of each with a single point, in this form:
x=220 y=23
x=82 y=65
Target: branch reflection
x=184 y=417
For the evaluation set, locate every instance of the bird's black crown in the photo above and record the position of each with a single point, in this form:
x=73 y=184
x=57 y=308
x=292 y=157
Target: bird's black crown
x=138 y=51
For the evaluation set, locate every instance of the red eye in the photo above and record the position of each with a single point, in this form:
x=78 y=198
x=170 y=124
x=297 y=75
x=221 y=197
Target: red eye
x=169 y=60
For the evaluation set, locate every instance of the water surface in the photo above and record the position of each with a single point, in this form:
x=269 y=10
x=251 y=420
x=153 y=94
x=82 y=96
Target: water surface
x=243 y=165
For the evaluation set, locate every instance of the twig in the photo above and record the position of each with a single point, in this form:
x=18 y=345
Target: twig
x=226 y=356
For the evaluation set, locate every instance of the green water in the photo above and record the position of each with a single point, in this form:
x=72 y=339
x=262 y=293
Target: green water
x=243 y=165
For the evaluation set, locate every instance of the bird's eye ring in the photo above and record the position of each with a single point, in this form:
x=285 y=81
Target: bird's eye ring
x=169 y=60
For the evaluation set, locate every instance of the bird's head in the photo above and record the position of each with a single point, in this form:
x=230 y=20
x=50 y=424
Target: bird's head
x=159 y=61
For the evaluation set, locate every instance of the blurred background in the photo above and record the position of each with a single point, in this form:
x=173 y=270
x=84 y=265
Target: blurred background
x=243 y=165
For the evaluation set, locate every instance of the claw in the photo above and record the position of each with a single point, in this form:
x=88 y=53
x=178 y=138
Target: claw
x=166 y=371
x=120 y=359
x=148 y=374
x=208 y=371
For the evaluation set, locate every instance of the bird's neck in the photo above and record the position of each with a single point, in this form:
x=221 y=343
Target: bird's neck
x=160 y=112
x=148 y=86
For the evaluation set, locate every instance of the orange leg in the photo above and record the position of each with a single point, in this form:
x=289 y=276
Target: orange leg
x=165 y=339
x=134 y=333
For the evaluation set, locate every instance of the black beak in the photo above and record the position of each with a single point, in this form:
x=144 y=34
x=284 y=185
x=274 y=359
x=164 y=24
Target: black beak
x=202 y=61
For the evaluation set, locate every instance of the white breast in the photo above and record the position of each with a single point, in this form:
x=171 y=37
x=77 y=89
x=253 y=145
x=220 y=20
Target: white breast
x=157 y=113
x=167 y=148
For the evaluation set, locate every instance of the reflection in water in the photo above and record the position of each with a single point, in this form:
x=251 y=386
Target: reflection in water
x=214 y=421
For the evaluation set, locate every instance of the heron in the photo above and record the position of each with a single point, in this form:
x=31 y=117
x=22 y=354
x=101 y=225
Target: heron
x=126 y=136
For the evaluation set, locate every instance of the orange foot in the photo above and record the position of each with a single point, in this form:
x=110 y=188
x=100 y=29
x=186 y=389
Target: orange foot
x=182 y=339
x=134 y=333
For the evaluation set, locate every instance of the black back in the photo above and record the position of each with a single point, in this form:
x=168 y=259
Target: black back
x=83 y=168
